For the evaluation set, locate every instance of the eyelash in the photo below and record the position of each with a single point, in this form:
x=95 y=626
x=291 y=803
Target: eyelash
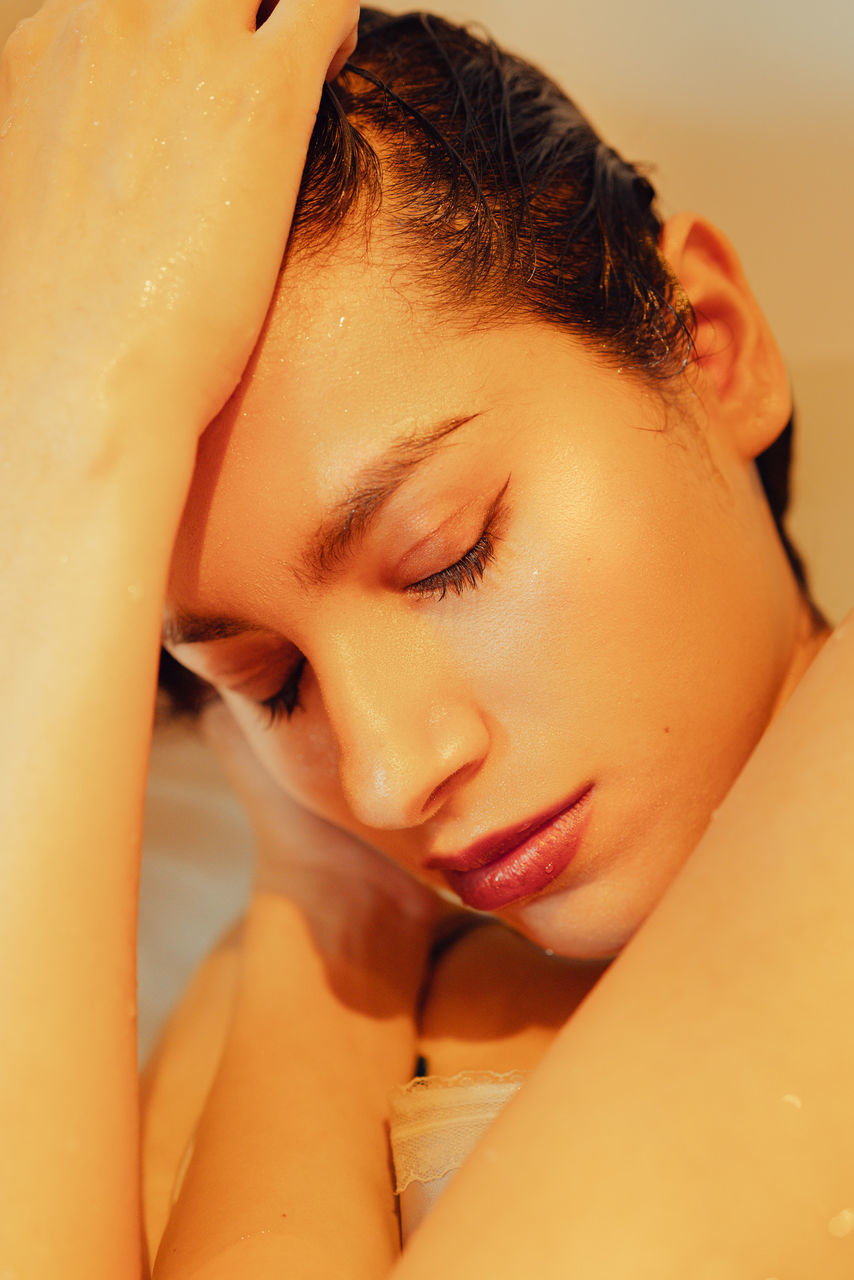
x=285 y=701
x=465 y=574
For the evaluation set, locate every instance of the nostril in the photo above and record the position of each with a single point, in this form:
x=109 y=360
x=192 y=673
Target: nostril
x=438 y=794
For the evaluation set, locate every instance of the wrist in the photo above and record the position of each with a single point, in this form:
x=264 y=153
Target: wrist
x=87 y=458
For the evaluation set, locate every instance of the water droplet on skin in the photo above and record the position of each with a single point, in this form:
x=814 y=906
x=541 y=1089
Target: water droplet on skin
x=135 y=591
x=7 y=126
x=793 y=1100
x=842 y=1224
x=341 y=323
x=549 y=951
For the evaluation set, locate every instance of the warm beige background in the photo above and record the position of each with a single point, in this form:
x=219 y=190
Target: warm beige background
x=746 y=109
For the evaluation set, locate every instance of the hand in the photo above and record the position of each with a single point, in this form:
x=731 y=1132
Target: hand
x=150 y=156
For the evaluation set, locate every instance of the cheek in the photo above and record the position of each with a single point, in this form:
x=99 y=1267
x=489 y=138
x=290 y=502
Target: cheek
x=618 y=617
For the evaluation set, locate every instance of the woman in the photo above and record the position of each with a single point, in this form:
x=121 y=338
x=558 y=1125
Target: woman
x=506 y=585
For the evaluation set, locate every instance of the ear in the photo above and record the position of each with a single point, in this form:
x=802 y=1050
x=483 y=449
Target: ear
x=742 y=375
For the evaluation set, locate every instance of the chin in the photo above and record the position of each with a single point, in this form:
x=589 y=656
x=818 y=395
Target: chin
x=586 y=923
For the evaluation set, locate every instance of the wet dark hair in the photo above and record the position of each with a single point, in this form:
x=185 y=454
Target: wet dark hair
x=504 y=202
x=501 y=196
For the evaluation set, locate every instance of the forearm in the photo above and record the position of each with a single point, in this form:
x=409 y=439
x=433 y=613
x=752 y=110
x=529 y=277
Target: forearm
x=290 y=1171
x=142 y=235
x=695 y=1117
x=86 y=541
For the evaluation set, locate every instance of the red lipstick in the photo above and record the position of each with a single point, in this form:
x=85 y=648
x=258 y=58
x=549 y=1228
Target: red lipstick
x=519 y=861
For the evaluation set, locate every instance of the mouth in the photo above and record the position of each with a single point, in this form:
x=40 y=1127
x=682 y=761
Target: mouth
x=519 y=862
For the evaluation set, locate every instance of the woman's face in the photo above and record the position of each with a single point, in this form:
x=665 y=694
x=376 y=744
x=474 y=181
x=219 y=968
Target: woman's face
x=510 y=595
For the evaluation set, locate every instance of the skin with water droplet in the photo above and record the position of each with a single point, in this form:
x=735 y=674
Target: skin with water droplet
x=842 y=1224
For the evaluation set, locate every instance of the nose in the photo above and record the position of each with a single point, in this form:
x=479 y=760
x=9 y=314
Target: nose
x=407 y=732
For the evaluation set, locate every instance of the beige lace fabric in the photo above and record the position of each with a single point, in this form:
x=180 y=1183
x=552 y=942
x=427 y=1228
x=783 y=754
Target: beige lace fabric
x=435 y=1122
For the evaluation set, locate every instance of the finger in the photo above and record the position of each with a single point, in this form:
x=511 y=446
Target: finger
x=326 y=27
x=25 y=42
x=348 y=48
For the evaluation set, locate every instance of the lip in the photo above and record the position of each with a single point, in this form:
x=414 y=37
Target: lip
x=519 y=861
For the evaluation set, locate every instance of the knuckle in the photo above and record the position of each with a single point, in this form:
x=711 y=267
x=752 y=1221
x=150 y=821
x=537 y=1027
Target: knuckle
x=33 y=36
x=23 y=44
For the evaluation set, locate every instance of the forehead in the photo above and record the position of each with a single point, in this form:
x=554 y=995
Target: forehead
x=352 y=357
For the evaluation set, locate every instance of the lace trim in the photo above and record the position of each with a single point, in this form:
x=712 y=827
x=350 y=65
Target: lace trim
x=435 y=1121
x=419 y=1084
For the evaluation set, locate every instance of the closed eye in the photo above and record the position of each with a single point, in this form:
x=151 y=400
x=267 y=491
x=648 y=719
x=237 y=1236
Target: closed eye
x=465 y=574
x=285 y=701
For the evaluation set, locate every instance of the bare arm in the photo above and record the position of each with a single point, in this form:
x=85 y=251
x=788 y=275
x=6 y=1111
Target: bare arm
x=696 y=1115
x=74 y=754
x=119 y=237
x=290 y=1163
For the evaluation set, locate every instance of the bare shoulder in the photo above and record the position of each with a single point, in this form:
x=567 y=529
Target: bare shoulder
x=801 y=771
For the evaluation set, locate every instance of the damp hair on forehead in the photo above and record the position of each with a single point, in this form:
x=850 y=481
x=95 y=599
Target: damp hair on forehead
x=506 y=198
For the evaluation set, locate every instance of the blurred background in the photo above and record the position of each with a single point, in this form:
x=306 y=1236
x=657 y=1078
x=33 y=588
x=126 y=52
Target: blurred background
x=745 y=111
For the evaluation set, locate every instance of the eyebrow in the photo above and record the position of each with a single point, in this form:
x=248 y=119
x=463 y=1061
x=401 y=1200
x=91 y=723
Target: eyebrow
x=349 y=519
x=340 y=530
x=183 y=627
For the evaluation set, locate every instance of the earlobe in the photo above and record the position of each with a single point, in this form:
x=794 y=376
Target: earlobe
x=739 y=365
